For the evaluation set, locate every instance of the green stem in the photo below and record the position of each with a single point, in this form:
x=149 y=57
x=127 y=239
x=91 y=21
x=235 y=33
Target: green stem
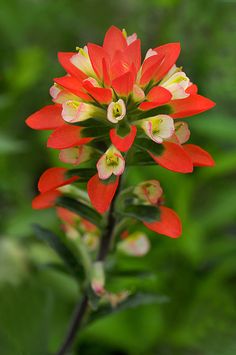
x=83 y=306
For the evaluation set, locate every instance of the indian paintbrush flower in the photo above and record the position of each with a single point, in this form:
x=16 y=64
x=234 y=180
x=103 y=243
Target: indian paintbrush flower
x=113 y=110
x=112 y=107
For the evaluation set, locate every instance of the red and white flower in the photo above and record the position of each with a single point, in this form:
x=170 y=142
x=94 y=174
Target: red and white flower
x=111 y=85
x=111 y=162
x=158 y=128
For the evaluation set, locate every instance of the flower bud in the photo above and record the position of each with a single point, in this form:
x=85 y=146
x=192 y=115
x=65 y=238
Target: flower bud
x=75 y=111
x=136 y=244
x=149 y=191
x=177 y=83
x=158 y=128
x=138 y=94
x=61 y=95
x=182 y=132
x=82 y=61
x=76 y=155
x=116 y=111
x=98 y=278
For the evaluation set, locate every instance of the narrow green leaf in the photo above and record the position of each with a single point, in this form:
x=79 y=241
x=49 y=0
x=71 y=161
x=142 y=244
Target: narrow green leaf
x=95 y=131
x=63 y=247
x=142 y=212
x=136 y=300
x=149 y=145
x=84 y=173
x=80 y=208
x=93 y=122
x=165 y=109
x=139 y=158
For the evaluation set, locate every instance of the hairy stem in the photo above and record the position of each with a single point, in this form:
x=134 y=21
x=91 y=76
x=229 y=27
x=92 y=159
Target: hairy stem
x=82 y=307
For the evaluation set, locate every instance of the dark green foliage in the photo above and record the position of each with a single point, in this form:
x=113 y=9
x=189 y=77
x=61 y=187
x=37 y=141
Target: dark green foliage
x=80 y=208
x=141 y=212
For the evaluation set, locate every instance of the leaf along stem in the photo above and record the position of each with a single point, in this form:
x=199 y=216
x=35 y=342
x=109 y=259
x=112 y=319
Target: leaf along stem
x=82 y=307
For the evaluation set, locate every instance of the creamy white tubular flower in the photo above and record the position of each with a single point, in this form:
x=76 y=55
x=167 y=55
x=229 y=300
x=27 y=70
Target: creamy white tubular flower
x=158 y=128
x=116 y=111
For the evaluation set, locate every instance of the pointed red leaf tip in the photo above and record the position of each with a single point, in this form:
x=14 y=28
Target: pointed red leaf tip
x=101 y=194
x=123 y=143
x=105 y=73
x=97 y=57
x=102 y=95
x=133 y=52
x=66 y=136
x=169 y=224
x=114 y=41
x=157 y=96
x=123 y=85
x=199 y=156
x=53 y=178
x=45 y=200
x=171 y=52
x=174 y=158
x=150 y=67
x=49 y=117
x=64 y=60
x=73 y=85
x=190 y=106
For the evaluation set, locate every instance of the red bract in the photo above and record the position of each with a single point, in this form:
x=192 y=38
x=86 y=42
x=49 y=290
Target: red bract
x=53 y=178
x=169 y=224
x=45 y=200
x=123 y=143
x=49 y=117
x=174 y=158
x=108 y=100
x=66 y=136
x=101 y=193
x=48 y=185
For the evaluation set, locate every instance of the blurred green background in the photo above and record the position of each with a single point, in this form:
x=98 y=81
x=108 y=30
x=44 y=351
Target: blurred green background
x=198 y=271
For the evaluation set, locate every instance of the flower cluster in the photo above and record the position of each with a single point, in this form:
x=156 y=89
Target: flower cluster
x=112 y=110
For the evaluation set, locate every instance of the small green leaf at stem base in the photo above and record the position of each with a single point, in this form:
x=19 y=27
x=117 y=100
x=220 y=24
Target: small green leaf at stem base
x=80 y=208
x=133 y=301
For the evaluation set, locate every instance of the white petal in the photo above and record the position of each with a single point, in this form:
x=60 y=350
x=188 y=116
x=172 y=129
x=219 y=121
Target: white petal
x=182 y=132
x=104 y=170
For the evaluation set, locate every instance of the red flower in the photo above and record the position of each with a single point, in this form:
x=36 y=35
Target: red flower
x=109 y=95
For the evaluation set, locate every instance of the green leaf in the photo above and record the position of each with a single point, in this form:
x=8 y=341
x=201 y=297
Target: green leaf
x=84 y=173
x=142 y=212
x=98 y=131
x=164 y=110
x=63 y=247
x=80 y=208
x=139 y=158
x=93 y=122
x=136 y=300
x=148 y=145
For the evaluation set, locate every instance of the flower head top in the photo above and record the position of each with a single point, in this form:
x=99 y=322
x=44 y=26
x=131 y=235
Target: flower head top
x=110 y=102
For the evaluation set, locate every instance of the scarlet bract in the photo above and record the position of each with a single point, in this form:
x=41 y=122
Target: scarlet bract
x=114 y=103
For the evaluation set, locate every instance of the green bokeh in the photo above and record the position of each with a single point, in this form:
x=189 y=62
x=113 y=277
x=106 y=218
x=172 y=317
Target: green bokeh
x=198 y=271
